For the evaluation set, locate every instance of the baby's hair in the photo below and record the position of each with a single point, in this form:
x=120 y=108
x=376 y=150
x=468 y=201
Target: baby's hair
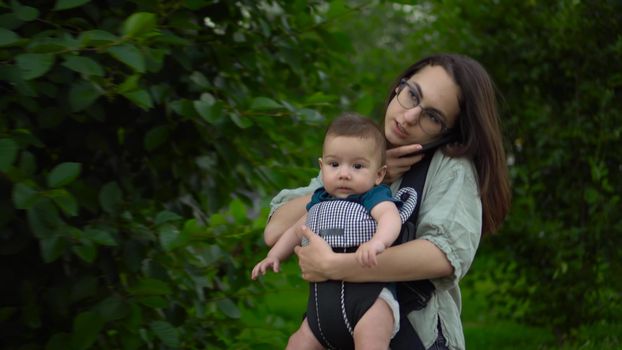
x=355 y=125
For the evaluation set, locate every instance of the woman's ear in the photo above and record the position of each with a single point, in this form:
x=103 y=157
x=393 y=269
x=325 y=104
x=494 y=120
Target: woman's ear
x=380 y=175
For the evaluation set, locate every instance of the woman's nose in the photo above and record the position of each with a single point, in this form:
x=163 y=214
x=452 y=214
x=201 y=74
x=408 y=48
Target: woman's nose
x=411 y=116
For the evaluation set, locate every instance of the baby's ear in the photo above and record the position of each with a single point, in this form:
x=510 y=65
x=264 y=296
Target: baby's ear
x=380 y=175
x=319 y=160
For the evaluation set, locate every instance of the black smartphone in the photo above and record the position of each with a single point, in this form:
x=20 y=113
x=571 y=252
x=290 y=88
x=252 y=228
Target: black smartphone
x=434 y=144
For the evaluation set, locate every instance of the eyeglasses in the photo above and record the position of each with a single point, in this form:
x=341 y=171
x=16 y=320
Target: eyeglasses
x=430 y=120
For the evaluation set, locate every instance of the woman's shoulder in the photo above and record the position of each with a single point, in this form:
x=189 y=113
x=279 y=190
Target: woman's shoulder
x=444 y=164
x=286 y=195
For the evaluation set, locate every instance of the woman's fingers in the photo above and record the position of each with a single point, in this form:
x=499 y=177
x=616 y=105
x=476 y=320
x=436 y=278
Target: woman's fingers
x=403 y=151
x=399 y=160
x=310 y=257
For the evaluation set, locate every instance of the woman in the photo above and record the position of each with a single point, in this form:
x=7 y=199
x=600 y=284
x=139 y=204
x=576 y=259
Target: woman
x=466 y=192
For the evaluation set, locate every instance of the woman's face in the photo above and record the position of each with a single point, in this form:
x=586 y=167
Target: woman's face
x=438 y=92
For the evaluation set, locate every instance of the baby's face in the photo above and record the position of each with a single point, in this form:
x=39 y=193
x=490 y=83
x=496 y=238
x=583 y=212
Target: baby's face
x=350 y=165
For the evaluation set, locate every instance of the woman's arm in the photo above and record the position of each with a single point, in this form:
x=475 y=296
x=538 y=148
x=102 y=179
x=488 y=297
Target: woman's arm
x=285 y=217
x=414 y=260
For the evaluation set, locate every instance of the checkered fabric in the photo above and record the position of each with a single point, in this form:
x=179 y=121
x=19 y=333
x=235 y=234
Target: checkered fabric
x=345 y=224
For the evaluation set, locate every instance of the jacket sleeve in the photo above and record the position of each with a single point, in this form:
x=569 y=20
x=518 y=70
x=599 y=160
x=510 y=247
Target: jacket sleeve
x=288 y=194
x=451 y=214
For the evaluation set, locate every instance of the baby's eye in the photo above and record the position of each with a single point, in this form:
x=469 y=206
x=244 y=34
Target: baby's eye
x=333 y=164
x=358 y=166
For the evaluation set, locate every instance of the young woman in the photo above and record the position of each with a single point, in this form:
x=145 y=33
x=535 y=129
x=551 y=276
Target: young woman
x=466 y=192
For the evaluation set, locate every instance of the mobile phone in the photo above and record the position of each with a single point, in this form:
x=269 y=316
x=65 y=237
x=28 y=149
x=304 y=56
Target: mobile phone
x=433 y=145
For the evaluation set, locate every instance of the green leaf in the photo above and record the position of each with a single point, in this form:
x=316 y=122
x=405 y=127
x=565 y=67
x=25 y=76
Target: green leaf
x=68 y=4
x=166 y=216
x=141 y=98
x=238 y=210
x=131 y=83
x=242 y=122
x=65 y=201
x=209 y=109
x=111 y=309
x=110 y=197
x=129 y=55
x=63 y=174
x=25 y=13
x=139 y=23
x=8 y=153
x=192 y=227
x=156 y=137
x=168 y=237
x=184 y=108
x=86 y=328
x=200 y=80
x=150 y=286
x=152 y=301
x=44 y=219
x=166 y=332
x=82 y=95
x=264 y=103
x=100 y=237
x=229 y=308
x=97 y=38
x=86 y=251
x=24 y=196
x=83 y=65
x=46 y=45
x=52 y=248
x=310 y=115
x=8 y=37
x=34 y=65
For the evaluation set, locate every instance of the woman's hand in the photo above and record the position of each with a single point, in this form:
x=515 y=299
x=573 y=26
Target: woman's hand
x=398 y=162
x=314 y=258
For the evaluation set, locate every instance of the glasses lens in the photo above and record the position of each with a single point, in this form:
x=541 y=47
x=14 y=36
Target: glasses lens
x=404 y=97
x=408 y=99
x=430 y=124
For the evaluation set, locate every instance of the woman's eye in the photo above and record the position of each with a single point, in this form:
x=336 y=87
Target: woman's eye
x=433 y=118
x=414 y=96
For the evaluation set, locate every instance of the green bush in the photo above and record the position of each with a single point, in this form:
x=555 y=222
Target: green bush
x=138 y=142
x=141 y=140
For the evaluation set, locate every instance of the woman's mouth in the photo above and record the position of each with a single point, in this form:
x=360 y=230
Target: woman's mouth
x=400 y=131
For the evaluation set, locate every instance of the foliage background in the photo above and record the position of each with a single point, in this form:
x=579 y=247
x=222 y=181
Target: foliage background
x=140 y=142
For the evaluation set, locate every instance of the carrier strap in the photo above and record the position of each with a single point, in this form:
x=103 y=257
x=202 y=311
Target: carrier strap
x=412 y=295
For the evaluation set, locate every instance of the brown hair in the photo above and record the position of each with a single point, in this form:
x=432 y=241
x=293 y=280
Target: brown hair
x=478 y=131
x=353 y=124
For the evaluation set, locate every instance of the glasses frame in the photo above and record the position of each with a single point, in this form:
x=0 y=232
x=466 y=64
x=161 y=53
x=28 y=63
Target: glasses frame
x=403 y=82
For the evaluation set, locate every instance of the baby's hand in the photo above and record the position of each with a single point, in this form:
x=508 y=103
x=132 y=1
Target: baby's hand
x=262 y=266
x=366 y=253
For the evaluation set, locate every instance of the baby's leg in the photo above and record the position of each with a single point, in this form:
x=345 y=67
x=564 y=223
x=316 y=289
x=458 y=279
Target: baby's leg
x=375 y=328
x=303 y=338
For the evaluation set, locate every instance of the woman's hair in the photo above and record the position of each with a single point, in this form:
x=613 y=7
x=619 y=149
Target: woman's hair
x=478 y=131
x=354 y=125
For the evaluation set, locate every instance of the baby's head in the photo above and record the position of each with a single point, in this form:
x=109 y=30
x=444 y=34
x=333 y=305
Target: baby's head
x=353 y=157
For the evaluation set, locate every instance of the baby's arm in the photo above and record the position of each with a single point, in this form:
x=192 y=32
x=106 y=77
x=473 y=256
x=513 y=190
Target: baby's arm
x=389 y=226
x=283 y=248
